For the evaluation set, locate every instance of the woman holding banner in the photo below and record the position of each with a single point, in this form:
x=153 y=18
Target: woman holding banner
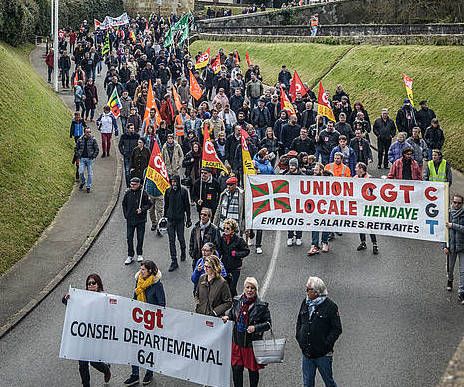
x=252 y=318
x=148 y=289
x=92 y=284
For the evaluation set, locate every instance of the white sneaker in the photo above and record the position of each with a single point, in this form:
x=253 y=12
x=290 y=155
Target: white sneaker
x=325 y=247
x=128 y=261
x=290 y=242
x=259 y=250
x=298 y=242
x=139 y=258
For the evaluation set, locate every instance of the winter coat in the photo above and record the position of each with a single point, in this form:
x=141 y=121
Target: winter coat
x=139 y=161
x=130 y=204
x=263 y=167
x=317 y=335
x=403 y=123
x=396 y=170
x=176 y=203
x=258 y=315
x=91 y=96
x=345 y=130
x=174 y=163
x=327 y=141
x=210 y=191
x=288 y=134
x=213 y=298
x=107 y=123
x=260 y=118
x=155 y=293
x=434 y=137
x=384 y=130
x=254 y=89
x=419 y=148
x=232 y=254
x=300 y=145
x=77 y=128
x=424 y=118
x=456 y=232
x=211 y=234
x=362 y=149
x=395 y=151
x=271 y=144
x=127 y=143
x=92 y=147
x=236 y=103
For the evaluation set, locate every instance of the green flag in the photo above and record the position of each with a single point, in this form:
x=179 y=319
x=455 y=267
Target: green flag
x=181 y=25
x=106 y=45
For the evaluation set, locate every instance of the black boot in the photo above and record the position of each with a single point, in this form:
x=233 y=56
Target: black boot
x=362 y=246
x=449 y=286
x=182 y=256
x=375 y=250
x=174 y=265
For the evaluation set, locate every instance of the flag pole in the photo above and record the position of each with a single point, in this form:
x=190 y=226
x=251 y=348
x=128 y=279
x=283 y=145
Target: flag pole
x=143 y=187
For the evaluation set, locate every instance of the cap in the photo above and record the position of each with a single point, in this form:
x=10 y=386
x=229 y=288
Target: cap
x=135 y=180
x=232 y=180
x=206 y=169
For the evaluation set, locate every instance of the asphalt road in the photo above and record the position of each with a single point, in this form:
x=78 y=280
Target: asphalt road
x=400 y=325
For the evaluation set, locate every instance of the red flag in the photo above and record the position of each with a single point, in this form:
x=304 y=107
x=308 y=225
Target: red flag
x=236 y=58
x=216 y=64
x=195 y=89
x=203 y=60
x=323 y=105
x=247 y=57
x=296 y=86
x=156 y=170
x=209 y=158
x=96 y=24
x=151 y=103
x=285 y=103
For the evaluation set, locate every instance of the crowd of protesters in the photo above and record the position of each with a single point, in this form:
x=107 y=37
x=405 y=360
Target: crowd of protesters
x=235 y=103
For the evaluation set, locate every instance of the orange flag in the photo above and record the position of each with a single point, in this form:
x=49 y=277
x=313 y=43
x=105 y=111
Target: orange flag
x=195 y=89
x=156 y=170
x=176 y=97
x=236 y=58
x=203 y=60
x=285 y=103
x=296 y=86
x=151 y=103
x=209 y=158
x=216 y=64
x=247 y=57
x=323 y=106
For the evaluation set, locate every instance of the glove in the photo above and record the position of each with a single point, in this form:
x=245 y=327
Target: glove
x=232 y=253
x=188 y=223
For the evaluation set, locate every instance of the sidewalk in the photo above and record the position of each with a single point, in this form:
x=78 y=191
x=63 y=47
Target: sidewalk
x=72 y=232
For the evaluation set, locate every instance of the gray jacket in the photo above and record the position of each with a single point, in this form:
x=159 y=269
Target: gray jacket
x=420 y=149
x=456 y=232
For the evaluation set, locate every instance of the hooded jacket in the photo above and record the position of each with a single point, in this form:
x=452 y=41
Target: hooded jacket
x=176 y=203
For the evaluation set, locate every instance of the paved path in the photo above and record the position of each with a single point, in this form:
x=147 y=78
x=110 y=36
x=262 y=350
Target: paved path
x=75 y=224
x=400 y=326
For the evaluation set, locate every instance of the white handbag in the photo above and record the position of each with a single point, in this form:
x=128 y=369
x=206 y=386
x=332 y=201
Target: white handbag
x=269 y=351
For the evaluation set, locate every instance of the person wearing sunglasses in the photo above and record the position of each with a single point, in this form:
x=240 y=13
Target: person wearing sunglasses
x=252 y=318
x=207 y=250
x=454 y=249
x=212 y=294
x=317 y=329
x=93 y=284
x=232 y=249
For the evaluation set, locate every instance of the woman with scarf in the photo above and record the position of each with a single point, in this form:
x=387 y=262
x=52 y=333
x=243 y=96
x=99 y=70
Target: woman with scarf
x=252 y=318
x=232 y=249
x=212 y=294
x=92 y=284
x=148 y=289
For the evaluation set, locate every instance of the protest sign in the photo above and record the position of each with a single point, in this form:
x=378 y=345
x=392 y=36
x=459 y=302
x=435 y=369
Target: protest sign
x=114 y=329
x=405 y=208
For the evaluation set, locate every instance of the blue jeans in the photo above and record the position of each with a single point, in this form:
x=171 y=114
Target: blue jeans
x=261 y=132
x=127 y=160
x=315 y=238
x=135 y=371
x=323 y=364
x=86 y=163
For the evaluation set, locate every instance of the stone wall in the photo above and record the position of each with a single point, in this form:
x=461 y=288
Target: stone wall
x=166 y=7
x=438 y=40
x=340 y=30
x=354 y=12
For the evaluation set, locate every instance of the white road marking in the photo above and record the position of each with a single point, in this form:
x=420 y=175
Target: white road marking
x=271 y=267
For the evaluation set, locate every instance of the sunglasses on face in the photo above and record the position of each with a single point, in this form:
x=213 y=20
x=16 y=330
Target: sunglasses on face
x=91 y=283
x=207 y=267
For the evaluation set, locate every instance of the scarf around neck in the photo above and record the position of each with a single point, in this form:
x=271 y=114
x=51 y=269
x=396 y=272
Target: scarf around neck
x=243 y=316
x=144 y=284
x=311 y=304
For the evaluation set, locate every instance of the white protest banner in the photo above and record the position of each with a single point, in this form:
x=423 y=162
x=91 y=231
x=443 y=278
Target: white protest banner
x=114 y=329
x=115 y=21
x=405 y=208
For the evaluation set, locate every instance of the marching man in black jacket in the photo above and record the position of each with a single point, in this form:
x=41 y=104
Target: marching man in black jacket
x=135 y=213
x=317 y=329
x=176 y=208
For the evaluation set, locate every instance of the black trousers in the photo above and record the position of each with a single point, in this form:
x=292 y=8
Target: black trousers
x=140 y=227
x=85 y=372
x=372 y=236
x=237 y=374
x=382 y=149
x=176 y=228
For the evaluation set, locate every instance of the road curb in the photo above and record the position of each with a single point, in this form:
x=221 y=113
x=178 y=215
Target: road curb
x=77 y=257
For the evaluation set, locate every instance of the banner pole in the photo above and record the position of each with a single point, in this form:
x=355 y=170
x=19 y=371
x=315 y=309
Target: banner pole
x=143 y=187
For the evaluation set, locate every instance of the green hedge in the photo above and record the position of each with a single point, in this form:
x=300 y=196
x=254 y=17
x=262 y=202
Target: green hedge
x=21 y=19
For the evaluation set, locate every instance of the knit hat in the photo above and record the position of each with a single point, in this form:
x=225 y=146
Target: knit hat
x=293 y=162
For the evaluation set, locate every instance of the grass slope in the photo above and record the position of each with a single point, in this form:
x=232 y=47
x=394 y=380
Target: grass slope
x=372 y=74
x=35 y=155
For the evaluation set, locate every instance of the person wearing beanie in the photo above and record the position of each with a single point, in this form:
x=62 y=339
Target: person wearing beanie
x=252 y=318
